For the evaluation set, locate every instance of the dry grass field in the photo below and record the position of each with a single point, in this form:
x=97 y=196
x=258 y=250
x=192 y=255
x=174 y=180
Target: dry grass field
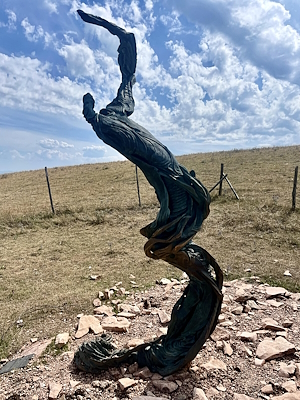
x=46 y=260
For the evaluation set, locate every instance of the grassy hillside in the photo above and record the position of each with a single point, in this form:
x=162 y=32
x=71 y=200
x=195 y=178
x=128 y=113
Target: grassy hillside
x=46 y=260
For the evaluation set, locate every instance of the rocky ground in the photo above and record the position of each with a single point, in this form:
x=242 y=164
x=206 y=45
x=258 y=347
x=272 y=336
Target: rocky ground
x=254 y=352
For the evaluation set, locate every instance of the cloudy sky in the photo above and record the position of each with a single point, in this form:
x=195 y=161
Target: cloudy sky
x=211 y=75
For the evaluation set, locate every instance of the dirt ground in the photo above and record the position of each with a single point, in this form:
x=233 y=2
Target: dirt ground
x=234 y=369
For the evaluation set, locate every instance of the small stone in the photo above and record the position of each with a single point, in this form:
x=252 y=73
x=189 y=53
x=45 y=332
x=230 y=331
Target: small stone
x=214 y=363
x=275 y=292
x=165 y=281
x=237 y=310
x=125 y=314
x=165 y=386
x=62 y=339
x=287 y=273
x=54 y=390
x=104 y=310
x=220 y=334
x=97 y=302
x=34 y=340
x=133 y=368
x=221 y=388
x=241 y=296
x=286 y=370
x=289 y=386
x=237 y=396
x=274 y=303
x=101 y=295
x=125 y=383
x=271 y=325
x=87 y=323
x=248 y=336
x=270 y=349
x=143 y=373
x=129 y=308
x=164 y=317
x=267 y=389
x=198 y=394
x=227 y=349
x=115 y=324
x=95 y=277
x=73 y=383
x=258 y=362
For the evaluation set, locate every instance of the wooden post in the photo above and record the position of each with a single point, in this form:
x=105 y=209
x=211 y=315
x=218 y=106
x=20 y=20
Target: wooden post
x=294 y=189
x=221 y=179
x=137 y=184
x=49 y=190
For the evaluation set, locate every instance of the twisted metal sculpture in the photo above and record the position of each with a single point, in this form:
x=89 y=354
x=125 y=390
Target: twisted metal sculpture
x=184 y=204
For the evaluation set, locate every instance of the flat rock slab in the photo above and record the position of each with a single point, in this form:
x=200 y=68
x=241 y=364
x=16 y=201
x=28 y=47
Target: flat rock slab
x=36 y=348
x=115 y=324
x=275 y=292
x=126 y=383
x=129 y=308
x=87 y=323
x=104 y=310
x=198 y=394
x=164 y=317
x=270 y=349
x=16 y=364
x=214 y=363
x=54 y=390
x=288 y=396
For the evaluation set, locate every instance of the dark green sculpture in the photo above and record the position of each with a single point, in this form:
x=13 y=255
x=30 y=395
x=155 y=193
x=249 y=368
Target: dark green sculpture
x=184 y=204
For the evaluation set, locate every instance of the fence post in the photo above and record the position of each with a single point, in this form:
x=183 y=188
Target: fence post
x=294 y=189
x=221 y=179
x=137 y=184
x=49 y=190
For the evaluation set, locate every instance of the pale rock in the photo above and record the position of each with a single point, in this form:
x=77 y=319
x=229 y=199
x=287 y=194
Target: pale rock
x=198 y=394
x=221 y=318
x=287 y=273
x=169 y=286
x=74 y=383
x=165 y=281
x=274 y=303
x=115 y=324
x=242 y=296
x=121 y=291
x=219 y=345
x=286 y=370
x=288 y=396
x=253 y=305
x=282 y=333
x=211 y=392
x=54 y=390
x=107 y=294
x=214 y=363
x=164 y=317
x=294 y=306
x=237 y=396
x=297 y=372
x=247 y=351
x=290 y=386
x=94 y=277
x=220 y=334
x=97 y=302
x=237 y=310
x=125 y=314
x=248 y=336
x=267 y=389
x=295 y=296
x=62 y=339
x=129 y=308
x=194 y=368
x=165 y=386
x=104 y=310
x=134 y=342
x=36 y=348
x=87 y=323
x=163 y=330
x=126 y=383
x=33 y=340
x=258 y=362
x=271 y=325
x=101 y=295
x=227 y=349
x=221 y=388
x=275 y=292
x=270 y=349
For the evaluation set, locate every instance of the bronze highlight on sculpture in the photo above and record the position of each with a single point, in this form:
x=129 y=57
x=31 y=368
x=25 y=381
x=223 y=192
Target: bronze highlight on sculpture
x=184 y=204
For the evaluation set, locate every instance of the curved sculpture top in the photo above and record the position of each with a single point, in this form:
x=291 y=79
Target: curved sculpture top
x=184 y=204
